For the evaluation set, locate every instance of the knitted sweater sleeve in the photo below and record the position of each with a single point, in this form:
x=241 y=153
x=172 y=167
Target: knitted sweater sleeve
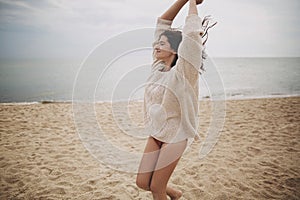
x=190 y=49
x=161 y=26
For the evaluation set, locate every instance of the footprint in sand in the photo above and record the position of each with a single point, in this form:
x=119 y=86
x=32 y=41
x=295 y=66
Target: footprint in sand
x=251 y=151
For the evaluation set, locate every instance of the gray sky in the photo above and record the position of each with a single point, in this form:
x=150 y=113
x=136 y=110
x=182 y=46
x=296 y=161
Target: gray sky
x=72 y=28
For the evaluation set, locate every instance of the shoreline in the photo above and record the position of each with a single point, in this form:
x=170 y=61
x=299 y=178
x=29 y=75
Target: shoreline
x=232 y=98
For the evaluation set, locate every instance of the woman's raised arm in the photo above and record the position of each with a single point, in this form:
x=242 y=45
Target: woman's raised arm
x=172 y=12
x=193 y=7
x=164 y=22
x=190 y=50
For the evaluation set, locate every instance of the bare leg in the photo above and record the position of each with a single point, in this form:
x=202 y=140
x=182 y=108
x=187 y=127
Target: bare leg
x=168 y=158
x=148 y=162
x=147 y=167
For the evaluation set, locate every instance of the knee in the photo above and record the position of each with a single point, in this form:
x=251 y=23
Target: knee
x=143 y=184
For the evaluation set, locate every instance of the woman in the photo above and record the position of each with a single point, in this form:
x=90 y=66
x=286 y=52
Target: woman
x=171 y=97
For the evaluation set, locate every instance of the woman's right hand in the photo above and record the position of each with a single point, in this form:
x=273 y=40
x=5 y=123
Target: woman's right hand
x=199 y=1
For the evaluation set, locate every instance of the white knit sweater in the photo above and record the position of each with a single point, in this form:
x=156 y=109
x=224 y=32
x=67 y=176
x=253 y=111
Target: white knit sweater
x=171 y=98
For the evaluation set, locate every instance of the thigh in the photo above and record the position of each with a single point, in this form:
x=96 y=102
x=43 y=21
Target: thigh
x=168 y=158
x=149 y=159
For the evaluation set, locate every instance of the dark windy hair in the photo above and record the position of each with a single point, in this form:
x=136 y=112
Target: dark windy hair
x=175 y=38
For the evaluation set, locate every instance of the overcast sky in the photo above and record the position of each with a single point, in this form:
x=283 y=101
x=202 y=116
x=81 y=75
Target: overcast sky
x=72 y=28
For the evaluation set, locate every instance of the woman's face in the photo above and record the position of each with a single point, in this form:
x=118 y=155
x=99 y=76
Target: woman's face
x=162 y=49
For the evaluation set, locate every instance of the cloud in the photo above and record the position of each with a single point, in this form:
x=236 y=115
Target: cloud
x=254 y=28
x=68 y=28
x=73 y=27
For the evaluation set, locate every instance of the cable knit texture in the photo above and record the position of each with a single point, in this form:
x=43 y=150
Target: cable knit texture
x=171 y=98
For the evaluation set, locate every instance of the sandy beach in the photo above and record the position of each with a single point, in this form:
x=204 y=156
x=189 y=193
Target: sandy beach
x=257 y=155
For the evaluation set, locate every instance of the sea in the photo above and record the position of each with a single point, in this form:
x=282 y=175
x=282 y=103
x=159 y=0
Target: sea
x=56 y=80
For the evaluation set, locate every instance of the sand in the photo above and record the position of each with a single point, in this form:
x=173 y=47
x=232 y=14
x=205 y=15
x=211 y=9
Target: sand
x=257 y=155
